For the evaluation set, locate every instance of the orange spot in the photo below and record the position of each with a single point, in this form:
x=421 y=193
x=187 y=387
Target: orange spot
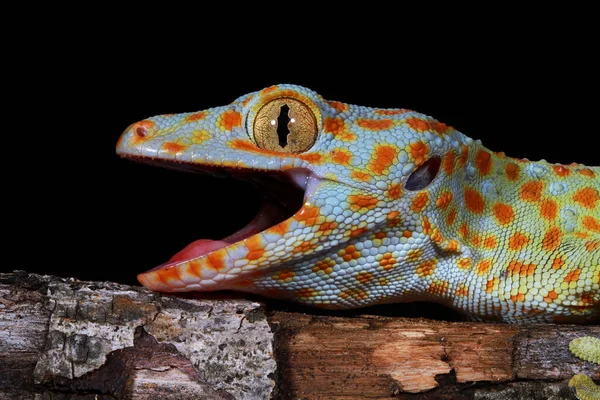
x=216 y=260
x=341 y=156
x=444 y=199
x=504 y=213
x=592 y=245
x=328 y=226
x=393 y=215
x=281 y=228
x=394 y=191
x=304 y=247
x=426 y=268
x=380 y=235
x=357 y=232
x=375 y=124
x=483 y=267
x=338 y=106
x=356 y=294
x=490 y=242
x=474 y=201
x=517 y=241
x=518 y=297
x=573 y=275
x=362 y=202
x=255 y=247
x=387 y=261
x=391 y=112
x=195 y=116
x=314 y=158
x=452 y=245
x=551 y=296
x=418 y=124
x=464 y=156
x=268 y=90
x=491 y=285
x=532 y=191
x=558 y=263
x=439 y=288
x=230 y=119
x=451 y=217
x=464 y=263
x=519 y=268
x=449 y=163
x=337 y=128
x=464 y=230
x=476 y=240
x=172 y=148
x=382 y=158
x=285 y=275
x=587 y=172
x=393 y=218
x=244 y=145
x=438 y=127
x=419 y=202
x=306 y=293
x=512 y=171
x=463 y=290
x=168 y=274
x=561 y=170
x=414 y=254
x=552 y=239
x=591 y=223
x=407 y=234
x=361 y=176
x=548 y=209
x=587 y=197
x=307 y=214
x=483 y=162
x=419 y=151
x=247 y=100
x=364 y=277
x=325 y=266
x=426 y=226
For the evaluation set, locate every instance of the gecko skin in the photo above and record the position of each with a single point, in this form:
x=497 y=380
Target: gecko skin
x=586 y=348
x=397 y=207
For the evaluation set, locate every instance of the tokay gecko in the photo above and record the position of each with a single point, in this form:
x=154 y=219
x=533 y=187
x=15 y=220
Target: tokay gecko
x=365 y=206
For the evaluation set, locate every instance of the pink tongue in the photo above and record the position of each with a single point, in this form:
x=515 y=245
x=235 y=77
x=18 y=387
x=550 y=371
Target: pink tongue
x=198 y=248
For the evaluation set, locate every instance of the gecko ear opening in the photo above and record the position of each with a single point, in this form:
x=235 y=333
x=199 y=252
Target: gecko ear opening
x=424 y=174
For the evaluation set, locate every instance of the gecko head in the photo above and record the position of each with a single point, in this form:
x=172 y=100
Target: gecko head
x=270 y=138
x=330 y=173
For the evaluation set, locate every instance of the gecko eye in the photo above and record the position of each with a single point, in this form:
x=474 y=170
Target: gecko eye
x=424 y=174
x=285 y=125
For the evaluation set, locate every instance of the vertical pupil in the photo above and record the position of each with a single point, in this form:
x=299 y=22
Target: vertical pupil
x=282 y=125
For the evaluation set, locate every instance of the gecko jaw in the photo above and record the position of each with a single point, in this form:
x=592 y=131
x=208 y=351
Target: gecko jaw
x=283 y=193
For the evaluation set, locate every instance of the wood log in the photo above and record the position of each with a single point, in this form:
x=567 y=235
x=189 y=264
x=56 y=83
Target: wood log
x=69 y=339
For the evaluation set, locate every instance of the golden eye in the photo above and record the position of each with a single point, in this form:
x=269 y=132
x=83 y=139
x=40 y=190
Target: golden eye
x=285 y=125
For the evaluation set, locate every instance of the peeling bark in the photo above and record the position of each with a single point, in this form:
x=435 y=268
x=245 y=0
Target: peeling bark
x=67 y=339
x=63 y=337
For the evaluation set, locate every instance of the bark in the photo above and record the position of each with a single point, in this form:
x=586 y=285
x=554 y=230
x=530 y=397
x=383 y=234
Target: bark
x=68 y=339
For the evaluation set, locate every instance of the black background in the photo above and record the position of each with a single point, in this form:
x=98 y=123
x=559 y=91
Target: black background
x=524 y=83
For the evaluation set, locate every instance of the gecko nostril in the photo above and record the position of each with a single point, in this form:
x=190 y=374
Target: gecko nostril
x=421 y=177
x=141 y=131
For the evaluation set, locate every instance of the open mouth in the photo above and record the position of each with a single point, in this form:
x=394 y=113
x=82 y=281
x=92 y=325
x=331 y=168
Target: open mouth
x=282 y=194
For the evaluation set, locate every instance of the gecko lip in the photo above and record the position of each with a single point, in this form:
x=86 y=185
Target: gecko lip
x=283 y=194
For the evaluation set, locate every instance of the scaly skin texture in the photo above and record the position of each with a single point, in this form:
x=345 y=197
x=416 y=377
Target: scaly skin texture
x=495 y=237
x=587 y=348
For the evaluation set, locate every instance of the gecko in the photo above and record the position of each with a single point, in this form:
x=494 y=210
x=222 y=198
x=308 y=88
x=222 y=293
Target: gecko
x=367 y=205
